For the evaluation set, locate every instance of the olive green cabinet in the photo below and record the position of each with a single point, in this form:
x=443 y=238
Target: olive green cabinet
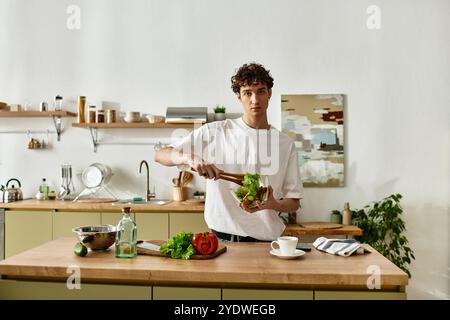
x=152 y=226
x=26 y=229
x=266 y=294
x=185 y=293
x=64 y=222
x=37 y=290
x=22 y=289
x=189 y=222
x=112 y=218
x=358 y=295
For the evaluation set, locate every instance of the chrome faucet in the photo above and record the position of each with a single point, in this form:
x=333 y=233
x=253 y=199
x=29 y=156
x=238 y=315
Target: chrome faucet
x=149 y=195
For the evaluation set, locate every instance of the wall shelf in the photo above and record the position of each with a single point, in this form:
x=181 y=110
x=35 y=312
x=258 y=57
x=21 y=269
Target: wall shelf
x=118 y=125
x=34 y=114
x=93 y=128
x=55 y=115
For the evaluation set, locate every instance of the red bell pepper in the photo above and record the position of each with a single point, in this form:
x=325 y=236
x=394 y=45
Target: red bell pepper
x=205 y=242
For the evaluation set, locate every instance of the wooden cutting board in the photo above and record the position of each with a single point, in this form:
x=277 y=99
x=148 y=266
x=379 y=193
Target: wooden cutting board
x=221 y=249
x=320 y=225
x=193 y=201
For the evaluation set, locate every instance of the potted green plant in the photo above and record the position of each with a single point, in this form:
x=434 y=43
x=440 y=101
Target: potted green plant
x=219 y=113
x=383 y=229
x=336 y=217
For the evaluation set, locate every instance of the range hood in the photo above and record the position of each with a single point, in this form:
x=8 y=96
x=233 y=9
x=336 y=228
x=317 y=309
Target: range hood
x=186 y=115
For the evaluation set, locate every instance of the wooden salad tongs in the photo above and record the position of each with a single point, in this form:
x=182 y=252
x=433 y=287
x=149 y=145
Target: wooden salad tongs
x=237 y=178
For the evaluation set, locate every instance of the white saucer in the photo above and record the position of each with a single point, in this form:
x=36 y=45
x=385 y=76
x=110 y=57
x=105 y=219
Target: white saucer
x=277 y=253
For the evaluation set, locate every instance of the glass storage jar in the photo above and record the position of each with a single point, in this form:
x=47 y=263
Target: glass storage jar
x=92 y=114
x=100 y=116
x=110 y=116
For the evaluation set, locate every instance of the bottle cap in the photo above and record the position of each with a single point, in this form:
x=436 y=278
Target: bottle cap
x=126 y=209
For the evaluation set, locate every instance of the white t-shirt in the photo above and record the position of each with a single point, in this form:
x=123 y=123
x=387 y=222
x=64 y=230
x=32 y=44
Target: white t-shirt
x=235 y=147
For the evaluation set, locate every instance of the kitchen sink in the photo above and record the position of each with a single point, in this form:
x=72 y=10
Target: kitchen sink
x=157 y=202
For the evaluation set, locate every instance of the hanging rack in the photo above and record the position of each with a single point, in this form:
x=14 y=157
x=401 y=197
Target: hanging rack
x=28 y=132
x=95 y=142
x=56 y=122
x=55 y=115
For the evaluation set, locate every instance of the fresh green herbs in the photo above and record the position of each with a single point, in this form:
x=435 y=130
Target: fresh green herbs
x=179 y=246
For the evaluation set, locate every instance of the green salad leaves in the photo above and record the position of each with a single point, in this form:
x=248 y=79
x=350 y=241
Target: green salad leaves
x=251 y=192
x=251 y=182
x=179 y=246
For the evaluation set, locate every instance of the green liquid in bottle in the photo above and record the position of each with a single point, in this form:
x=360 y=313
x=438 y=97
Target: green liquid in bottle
x=126 y=238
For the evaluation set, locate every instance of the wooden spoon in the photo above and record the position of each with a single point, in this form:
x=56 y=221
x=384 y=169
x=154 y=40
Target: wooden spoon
x=179 y=179
x=187 y=177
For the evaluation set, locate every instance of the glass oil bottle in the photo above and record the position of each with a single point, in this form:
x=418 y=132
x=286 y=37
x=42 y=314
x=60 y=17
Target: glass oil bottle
x=126 y=237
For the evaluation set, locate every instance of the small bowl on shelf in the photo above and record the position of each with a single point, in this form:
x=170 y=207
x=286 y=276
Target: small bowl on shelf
x=131 y=120
x=132 y=116
x=155 y=119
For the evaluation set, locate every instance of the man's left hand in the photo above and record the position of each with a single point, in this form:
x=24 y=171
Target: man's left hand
x=271 y=203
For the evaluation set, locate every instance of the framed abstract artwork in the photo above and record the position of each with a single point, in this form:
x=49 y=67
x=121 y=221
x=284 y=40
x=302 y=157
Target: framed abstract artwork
x=316 y=123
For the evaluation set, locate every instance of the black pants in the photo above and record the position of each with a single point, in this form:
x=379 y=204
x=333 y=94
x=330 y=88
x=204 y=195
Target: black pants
x=233 y=237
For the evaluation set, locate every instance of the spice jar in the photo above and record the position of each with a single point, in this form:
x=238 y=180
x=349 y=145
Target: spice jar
x=92 y=114
x=110 y=116
x=81 y=108
x=43 y=106
x=58 y=103
x=100 y=116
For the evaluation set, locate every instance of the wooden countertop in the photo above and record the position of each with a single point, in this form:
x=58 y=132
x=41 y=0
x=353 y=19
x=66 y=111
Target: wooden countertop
x=243 y=265
x=33 y=204
x=173 y=206
x=299 y=230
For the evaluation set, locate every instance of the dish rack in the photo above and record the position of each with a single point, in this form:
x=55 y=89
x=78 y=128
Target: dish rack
x=95 y=177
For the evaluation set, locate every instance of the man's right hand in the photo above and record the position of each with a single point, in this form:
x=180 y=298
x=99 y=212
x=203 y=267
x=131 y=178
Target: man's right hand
x=203 y=168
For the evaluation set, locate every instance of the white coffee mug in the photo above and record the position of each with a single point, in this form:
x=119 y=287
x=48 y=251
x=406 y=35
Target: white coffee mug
x=286 y=245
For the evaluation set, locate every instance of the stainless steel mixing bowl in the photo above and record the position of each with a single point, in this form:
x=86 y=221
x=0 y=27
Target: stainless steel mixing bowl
x=96 y=238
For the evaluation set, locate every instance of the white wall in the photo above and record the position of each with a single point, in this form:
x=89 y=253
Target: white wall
x=148 y=55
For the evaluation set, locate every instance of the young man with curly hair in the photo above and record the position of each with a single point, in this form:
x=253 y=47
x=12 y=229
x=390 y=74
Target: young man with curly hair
x=245 y=145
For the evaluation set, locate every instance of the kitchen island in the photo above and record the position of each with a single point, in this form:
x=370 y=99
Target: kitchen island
x=245 y=271
x=55 y=219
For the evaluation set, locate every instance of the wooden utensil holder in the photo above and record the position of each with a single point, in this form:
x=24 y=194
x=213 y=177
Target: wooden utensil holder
x=179 y=193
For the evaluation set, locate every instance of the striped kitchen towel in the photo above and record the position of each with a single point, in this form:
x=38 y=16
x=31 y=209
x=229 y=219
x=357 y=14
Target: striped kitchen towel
x=341 y=247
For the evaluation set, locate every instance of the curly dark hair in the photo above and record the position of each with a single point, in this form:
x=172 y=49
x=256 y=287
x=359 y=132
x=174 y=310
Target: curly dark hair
x=249 y=74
